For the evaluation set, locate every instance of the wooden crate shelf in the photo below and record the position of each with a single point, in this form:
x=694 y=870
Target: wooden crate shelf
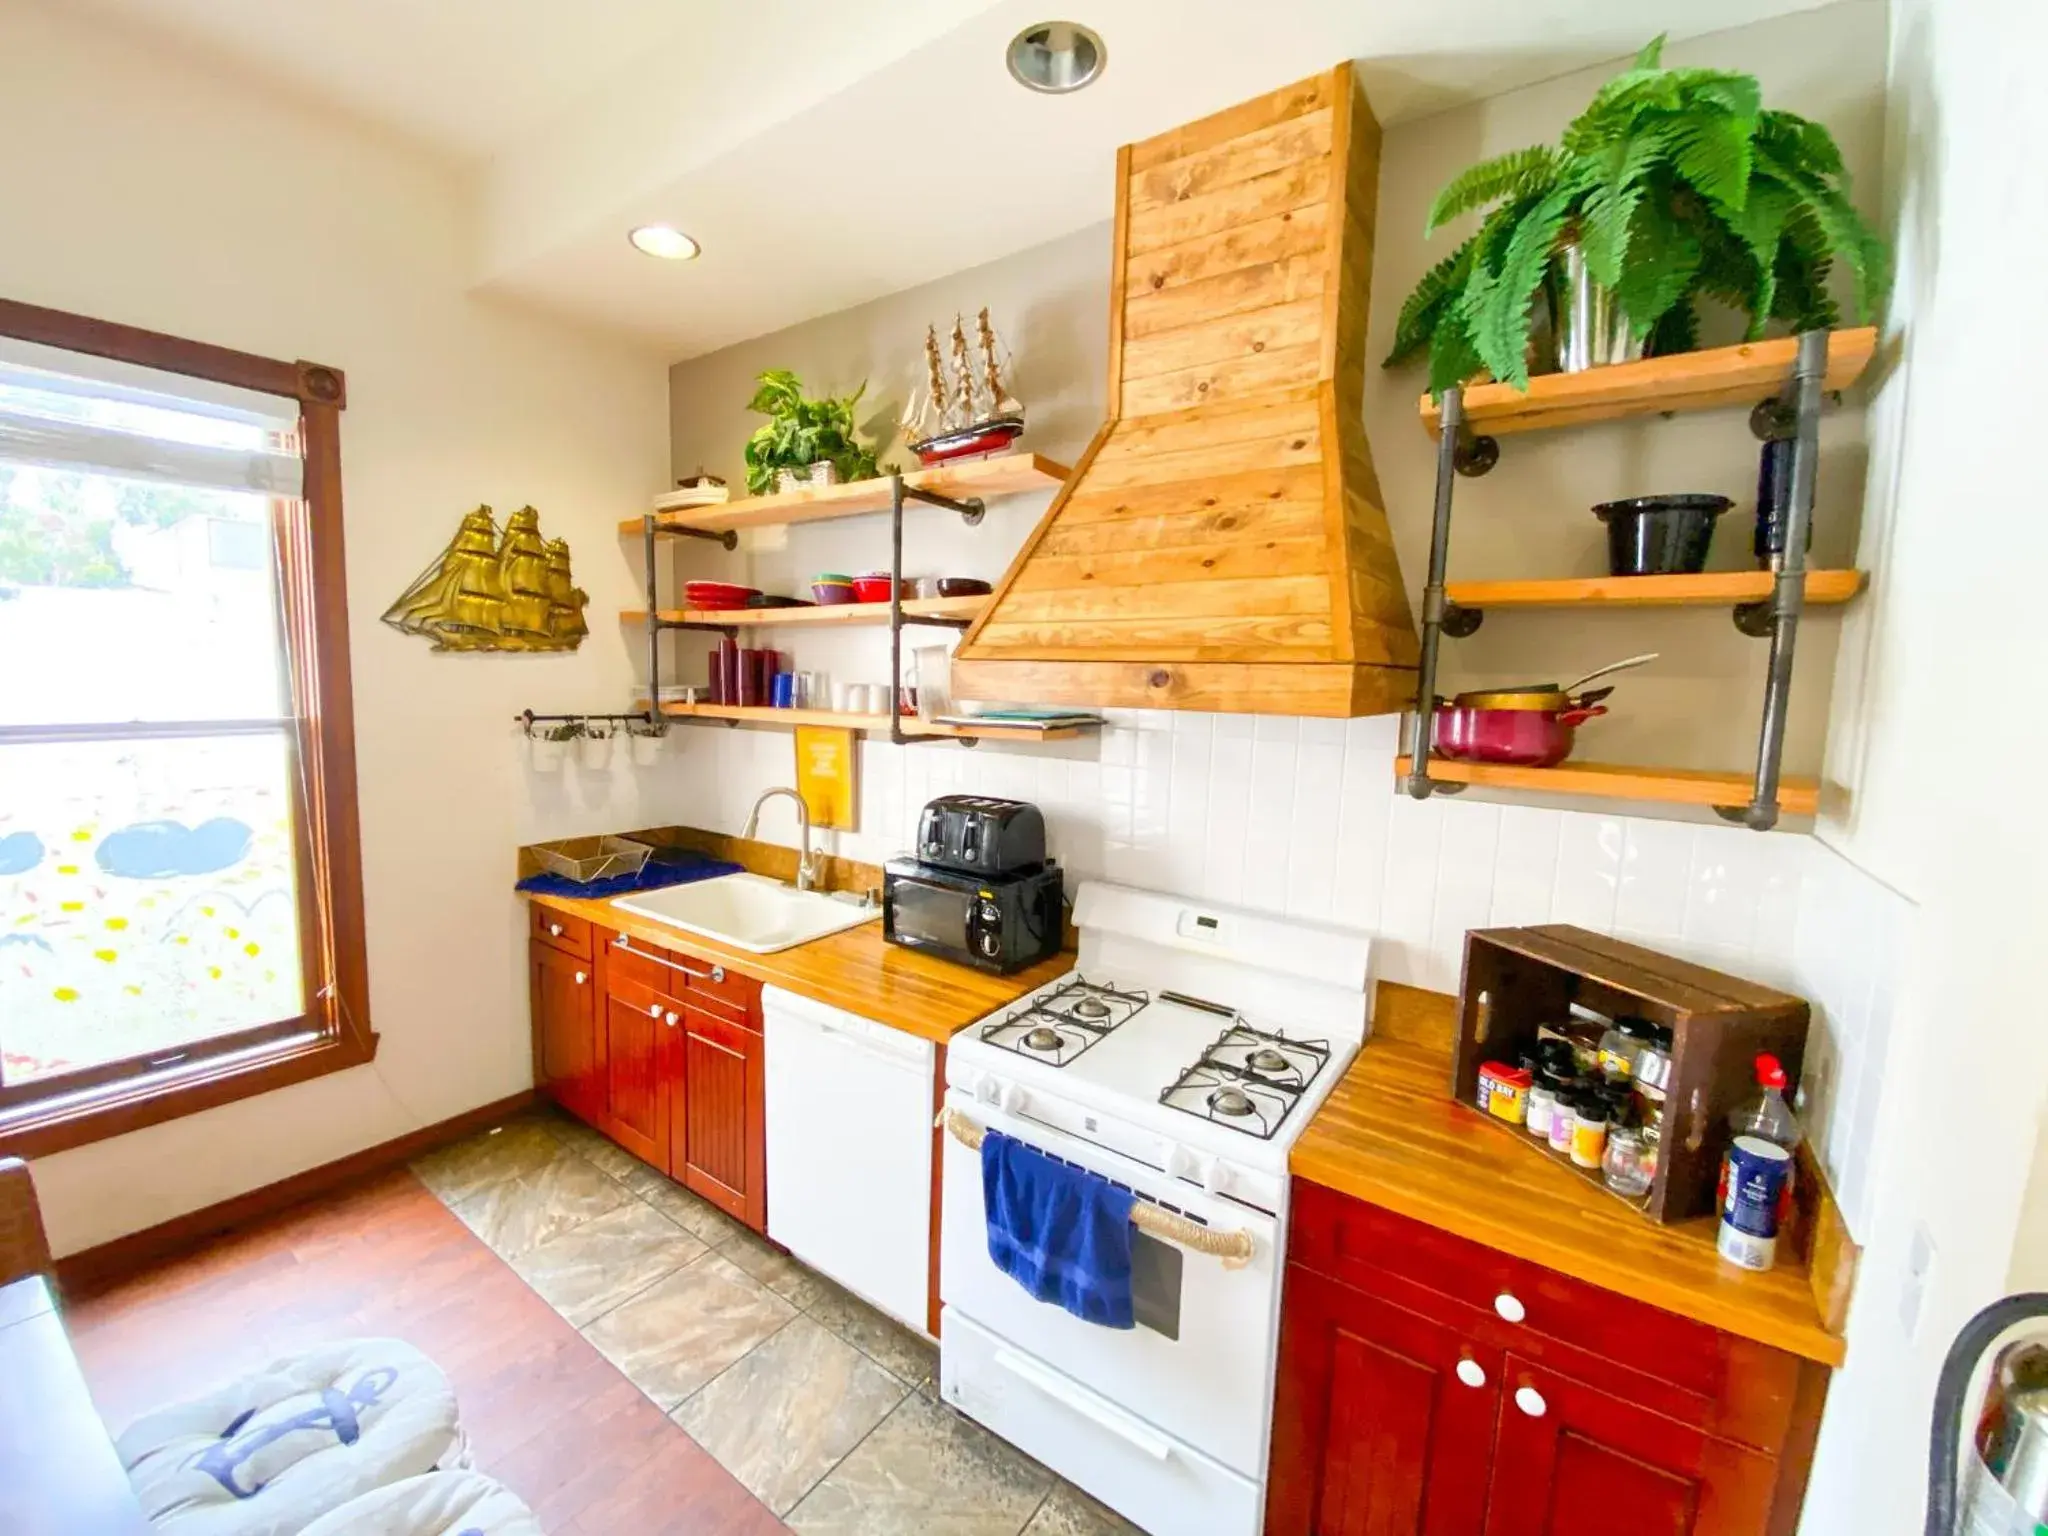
x=825 y=616
x=1611 y=781
x=750 y=714
x=1686 y=381
x=1710 y=589
x=1007 y=474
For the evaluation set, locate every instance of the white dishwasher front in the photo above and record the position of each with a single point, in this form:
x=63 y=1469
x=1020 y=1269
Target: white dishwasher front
x=850 y=1149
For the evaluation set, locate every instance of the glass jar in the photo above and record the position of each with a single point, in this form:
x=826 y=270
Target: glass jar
x=1589 y=1130
x=1623 y=1164
x=1618 y=1049
x=1653 y=1056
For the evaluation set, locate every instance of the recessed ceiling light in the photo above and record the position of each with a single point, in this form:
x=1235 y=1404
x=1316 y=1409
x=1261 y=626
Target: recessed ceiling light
x=1056 y=57
x=665 y=241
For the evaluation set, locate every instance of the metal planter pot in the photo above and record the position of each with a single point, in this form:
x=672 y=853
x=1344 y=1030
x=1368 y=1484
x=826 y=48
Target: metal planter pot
x=1591 y=330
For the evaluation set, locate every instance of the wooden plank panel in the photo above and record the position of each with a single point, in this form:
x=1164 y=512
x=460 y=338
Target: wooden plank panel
x=1322 y=689
x=1612 y=781
x=1293 y=186
x=752 y=714
x=1171 y=597
x=1046 y=519
x=1199 y=526
x=1236 y=379
x=1247 y=496
x=1224 y=339
x=1292 y=411
x=1688 y=381
x=1296 y=100
x=1227 y=293
x=1241 y=159
x=1272 y=456
x=1005 y=475
x=1709 y=589
x=825 y=616
x=1297 y=232
x=1245 y=639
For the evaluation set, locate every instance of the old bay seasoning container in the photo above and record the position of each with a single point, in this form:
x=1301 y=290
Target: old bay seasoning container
x=1504 y=1091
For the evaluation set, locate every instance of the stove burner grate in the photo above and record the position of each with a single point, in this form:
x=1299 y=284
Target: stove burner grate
x=1058 y=1026
x=1247 y=1079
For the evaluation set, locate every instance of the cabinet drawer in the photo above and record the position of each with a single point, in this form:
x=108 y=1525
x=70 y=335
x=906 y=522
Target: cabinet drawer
x=569 y=934
x=1504 y=1298
x=634 y=960
x=718 y=990
x=637 y=997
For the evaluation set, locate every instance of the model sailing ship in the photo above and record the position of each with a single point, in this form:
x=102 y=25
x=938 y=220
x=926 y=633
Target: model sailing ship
x=493 y=593
x=972 y=412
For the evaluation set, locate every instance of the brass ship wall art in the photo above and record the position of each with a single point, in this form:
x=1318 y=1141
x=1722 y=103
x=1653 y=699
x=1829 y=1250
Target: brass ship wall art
x=496 y=592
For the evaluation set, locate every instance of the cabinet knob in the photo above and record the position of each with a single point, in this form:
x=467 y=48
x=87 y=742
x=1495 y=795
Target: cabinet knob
x=718 y=973
x=654 y=1010
x=1510 y=1307
x=670 y=1020
x=580 y=978
x=554 y=930
x=1530 y=1401
x=1472 y=1373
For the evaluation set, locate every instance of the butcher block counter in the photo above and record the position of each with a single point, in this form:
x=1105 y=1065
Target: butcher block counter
x=1391 y=1135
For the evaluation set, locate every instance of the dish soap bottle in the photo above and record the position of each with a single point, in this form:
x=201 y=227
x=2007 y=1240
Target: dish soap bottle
x=1756 y=1175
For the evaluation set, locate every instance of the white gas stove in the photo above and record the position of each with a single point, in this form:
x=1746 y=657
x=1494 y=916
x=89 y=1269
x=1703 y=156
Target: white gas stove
x=1180 y=1059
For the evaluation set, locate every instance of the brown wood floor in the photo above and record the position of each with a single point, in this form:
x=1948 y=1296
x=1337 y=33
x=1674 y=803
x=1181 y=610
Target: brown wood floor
x=545 y=1412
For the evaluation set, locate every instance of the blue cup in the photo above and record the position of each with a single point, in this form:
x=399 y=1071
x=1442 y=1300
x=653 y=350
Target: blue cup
x=782 y=692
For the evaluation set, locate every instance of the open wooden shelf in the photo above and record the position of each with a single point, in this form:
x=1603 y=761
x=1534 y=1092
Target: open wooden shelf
x=825 y=616
x=1710 y=589
x=1686 y=381
x=1610 y=781
x=750 y=714
x=1005 y=475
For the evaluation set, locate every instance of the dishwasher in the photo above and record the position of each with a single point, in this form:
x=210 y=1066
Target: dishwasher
x=849 y=1110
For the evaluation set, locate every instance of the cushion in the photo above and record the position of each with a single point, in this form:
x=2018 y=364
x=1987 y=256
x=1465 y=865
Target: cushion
x=271 y=1453
x=439 y=1504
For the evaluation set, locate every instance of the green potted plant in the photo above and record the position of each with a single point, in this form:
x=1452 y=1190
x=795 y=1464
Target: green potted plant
x=1673 y=186
x=802 y=436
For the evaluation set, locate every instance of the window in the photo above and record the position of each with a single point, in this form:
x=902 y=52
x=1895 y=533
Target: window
x=180 y=889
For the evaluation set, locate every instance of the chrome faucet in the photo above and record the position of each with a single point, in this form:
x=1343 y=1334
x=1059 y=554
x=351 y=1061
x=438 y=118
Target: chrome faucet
x=808 y=863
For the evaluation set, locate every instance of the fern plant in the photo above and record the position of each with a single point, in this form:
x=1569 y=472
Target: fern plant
x=1677 y=184
x=801 y=431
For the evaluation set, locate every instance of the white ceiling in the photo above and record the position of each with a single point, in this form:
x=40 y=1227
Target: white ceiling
x=824 y=153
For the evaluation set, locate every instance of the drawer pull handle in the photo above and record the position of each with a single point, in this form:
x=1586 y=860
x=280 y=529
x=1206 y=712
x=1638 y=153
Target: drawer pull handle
x=554 y=930
x=1472 y=1373
x=716 y=973
x=581 y=978
x=1530 y=1401
x=1509 y=1307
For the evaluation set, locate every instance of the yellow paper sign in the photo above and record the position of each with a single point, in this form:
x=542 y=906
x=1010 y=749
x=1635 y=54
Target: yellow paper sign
x=825 y=775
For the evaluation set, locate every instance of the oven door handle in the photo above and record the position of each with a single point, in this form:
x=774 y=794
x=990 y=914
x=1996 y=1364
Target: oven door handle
x=1153 y=1444
x=1235 y=1249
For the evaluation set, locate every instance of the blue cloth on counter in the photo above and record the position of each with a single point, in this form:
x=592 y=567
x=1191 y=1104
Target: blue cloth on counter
x=1062 y=1233
x=655 y=874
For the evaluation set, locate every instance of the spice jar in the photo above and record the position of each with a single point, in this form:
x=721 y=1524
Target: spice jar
x=1542 y=1106
x=1618 y=1049
x=1622 y=1164
x=1503 y=1091
x=1563 y=1118
x=1589 y=1129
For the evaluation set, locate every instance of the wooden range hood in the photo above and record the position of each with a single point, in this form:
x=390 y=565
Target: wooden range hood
x=1222 y=544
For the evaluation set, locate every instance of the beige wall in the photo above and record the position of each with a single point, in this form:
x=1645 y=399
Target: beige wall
x=1699 y=706
x=146 y=191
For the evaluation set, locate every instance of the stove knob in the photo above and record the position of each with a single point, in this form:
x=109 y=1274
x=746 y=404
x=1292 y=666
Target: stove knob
x=988 y=1090
x=1215 y=1177
x=1013 y=1099
x=1180 y=1163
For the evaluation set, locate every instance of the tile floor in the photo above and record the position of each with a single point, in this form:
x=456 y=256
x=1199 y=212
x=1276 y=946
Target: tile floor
x=826 y=1409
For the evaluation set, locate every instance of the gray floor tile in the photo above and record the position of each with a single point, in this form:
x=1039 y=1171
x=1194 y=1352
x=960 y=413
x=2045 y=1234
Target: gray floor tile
x=908 y=1356
x=468 y=1168
x=1067 y=1511
x=692 y=1213
x=586 y=1271
x=925 y=1472
x=680 y=1332
x=785 y=1414
x=523 y=1212
x=788 y=1277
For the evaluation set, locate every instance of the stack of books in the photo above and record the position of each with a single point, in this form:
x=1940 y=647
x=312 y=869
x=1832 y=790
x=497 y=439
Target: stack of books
x=1025 y=719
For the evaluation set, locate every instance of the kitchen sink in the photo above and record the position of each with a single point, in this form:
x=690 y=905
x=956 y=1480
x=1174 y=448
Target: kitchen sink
x=749 y=912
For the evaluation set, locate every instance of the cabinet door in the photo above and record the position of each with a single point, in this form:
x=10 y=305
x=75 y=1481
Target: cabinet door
x=1573 y=1461
x=718 y=1143
x=1383 y=1420
x=635 y=1055
x=566 y=1062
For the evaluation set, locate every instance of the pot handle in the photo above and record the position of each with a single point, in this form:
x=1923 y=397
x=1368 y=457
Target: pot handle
x=1581 y=715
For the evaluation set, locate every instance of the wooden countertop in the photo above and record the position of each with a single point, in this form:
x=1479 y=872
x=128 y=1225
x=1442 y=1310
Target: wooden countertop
x=1390 y=1134
x=854 y=969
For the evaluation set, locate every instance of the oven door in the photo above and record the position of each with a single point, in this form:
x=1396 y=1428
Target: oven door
x=1199 y=1365
x=929 y=914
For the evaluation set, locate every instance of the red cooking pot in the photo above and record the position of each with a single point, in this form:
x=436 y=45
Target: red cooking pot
x=1527 y=729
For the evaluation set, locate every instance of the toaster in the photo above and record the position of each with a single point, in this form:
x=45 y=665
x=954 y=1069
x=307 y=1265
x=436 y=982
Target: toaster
x=978 y=835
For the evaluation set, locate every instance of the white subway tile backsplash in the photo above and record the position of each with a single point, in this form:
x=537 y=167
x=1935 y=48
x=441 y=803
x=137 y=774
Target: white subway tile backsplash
x=1303 y=817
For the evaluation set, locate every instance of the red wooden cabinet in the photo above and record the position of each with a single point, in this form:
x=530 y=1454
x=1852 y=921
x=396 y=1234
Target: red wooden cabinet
x=718 y=1124
x=566 y=1061
x=637 y=1023
x=1429 y=1386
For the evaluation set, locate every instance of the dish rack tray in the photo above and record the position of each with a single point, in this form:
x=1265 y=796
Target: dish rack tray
x=587 y=860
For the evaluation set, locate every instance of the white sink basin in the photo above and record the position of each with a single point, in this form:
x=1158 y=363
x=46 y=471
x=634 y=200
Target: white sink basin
x=748 y=912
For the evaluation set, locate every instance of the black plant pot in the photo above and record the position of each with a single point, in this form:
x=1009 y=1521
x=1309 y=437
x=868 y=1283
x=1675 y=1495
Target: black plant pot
x=1660 y=535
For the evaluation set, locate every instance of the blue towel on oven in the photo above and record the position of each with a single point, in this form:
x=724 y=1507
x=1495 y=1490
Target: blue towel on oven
x=1062 y=1233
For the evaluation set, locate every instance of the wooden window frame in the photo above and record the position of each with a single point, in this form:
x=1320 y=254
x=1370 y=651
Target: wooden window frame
x=334 y=1032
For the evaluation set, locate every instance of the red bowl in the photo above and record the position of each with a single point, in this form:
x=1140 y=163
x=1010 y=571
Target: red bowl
x=717 y=594
x=871 y=588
